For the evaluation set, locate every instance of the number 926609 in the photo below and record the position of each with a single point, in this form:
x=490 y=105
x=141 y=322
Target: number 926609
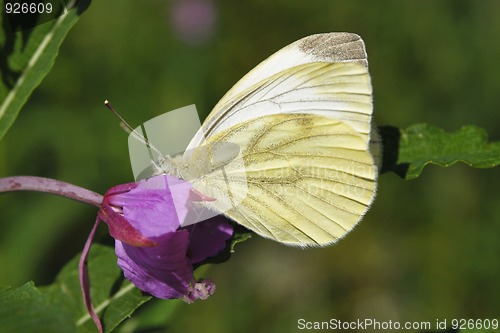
x=28 y=8
x=472 y=324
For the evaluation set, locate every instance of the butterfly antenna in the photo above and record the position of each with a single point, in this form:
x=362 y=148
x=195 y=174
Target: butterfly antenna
x=131 y=130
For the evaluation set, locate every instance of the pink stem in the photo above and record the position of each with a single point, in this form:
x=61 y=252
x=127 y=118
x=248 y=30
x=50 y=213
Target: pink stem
x=47 y=185
x=85 y=280
x=57 y=187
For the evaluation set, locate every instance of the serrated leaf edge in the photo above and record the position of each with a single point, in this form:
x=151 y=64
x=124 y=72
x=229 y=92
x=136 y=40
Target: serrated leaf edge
x=480 y=131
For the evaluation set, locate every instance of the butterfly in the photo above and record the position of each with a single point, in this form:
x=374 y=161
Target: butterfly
x=290 y=151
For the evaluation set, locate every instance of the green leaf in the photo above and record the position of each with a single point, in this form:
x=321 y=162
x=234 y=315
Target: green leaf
x=240 y=235
x=59 y=308
x=26 y=57
x=408 y=151
x=27 y=309
x=155 y=316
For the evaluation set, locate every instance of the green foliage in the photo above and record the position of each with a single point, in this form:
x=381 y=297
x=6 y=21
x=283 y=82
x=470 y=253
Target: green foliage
x=29 y=310
x=58 y=308
x=27 y=57
x=408 y=151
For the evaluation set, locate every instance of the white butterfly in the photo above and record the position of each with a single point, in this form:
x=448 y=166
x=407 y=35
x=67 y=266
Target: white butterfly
x=301 y=122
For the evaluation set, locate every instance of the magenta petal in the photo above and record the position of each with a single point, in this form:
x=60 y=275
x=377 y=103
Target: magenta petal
x=164 y=271
x=121 y=188
x=121 y=229
x=208 y=238
x=156 y=206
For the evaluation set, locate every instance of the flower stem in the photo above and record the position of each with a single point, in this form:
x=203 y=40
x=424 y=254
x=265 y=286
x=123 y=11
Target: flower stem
x=83 y=270
x=48 y=185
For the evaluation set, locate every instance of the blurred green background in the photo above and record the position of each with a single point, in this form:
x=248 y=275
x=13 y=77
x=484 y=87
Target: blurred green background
x=428 y=249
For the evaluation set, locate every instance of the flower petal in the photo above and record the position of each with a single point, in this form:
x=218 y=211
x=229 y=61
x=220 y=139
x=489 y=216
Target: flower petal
x=121 y=229
x=208 y=238
x=156 y=206
x=164 y=271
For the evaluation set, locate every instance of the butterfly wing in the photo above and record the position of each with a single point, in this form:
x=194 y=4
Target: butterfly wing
x=305 y=180
x=240 y=102
x=302 y=122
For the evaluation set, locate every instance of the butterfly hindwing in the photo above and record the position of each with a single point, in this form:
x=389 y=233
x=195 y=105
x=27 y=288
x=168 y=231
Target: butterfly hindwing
x=308 y=179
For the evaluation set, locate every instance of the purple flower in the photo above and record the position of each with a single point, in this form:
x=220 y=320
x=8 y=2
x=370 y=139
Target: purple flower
x=155 y=253
x=194 y=21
